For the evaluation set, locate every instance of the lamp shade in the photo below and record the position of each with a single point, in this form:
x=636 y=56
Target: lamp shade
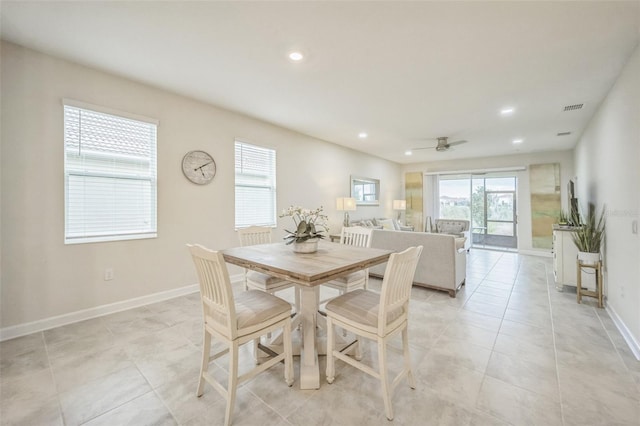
x=399 y=204
x=345 y=204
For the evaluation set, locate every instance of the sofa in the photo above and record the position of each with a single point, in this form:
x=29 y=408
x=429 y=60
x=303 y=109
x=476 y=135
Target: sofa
x=442 y=265
x=380 y=223
x=456 y=227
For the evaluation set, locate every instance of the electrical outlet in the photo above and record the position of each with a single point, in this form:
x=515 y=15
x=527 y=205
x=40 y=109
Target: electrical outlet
x=108 y=274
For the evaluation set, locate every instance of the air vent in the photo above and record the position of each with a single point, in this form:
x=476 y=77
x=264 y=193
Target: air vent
x=573 y=107
x=563 y=134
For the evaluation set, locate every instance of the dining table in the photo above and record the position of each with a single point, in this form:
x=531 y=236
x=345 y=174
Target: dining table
x=308 y=271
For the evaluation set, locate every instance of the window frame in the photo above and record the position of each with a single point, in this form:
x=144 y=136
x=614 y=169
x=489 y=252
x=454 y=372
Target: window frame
x=106 y=176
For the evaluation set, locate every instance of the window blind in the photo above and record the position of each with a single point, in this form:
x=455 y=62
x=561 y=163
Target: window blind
x=255 y=186
x=110 y=177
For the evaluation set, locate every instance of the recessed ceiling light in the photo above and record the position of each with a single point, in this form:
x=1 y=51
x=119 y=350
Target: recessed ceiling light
x=362 y=135
x=408 y=153
x=517 y=141
x=296 y=56
x=507 y=111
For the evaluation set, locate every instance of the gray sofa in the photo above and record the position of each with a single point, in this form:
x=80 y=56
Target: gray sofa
x=442 y=265
x=380 y=223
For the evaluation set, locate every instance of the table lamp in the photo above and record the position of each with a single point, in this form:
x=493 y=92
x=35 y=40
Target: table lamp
x=346 y=205
x=399 y=206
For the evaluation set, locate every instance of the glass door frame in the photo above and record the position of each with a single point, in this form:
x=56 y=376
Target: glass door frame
x=515 y=214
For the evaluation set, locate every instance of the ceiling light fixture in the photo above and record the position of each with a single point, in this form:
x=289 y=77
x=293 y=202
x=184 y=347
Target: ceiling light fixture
x=296 y=56
x=517 y=141
x=362 y=135
x=507 y=111
x=408 y=153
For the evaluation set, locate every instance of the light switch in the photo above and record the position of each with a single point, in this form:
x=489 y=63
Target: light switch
x=634 y=227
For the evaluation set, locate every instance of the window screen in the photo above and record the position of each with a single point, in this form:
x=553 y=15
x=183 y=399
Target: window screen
x=110 y=176
x=255 y=185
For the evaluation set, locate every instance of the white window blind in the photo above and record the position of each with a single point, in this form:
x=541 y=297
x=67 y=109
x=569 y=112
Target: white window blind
x=255 y=185
x=110 y=176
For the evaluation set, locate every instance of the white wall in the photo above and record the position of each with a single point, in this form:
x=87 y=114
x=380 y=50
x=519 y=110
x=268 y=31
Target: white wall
x=523 y=203
x=41 y=277
x=607 y=160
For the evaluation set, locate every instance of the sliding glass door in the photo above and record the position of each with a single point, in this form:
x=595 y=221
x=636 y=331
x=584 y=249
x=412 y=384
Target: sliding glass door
x=487 y=201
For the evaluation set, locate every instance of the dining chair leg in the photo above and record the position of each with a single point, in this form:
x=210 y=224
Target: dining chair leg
x=233 y=382
x=256 y=350
x=358 y=349
x=407 y=358
x=204 y=366
x=331 y=368
x=288 y=354
x=384 y=378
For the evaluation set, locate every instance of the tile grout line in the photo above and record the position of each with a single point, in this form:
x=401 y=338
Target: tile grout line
x=53 y=378
x=553 y=337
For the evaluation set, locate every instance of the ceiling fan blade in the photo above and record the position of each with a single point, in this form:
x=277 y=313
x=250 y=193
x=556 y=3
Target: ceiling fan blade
x=457 y=143
x=424 y=147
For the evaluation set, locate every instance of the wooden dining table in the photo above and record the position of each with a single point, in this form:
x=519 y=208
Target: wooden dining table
x=308 y=271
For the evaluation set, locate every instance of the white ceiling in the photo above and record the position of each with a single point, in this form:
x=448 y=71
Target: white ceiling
x=401 y=71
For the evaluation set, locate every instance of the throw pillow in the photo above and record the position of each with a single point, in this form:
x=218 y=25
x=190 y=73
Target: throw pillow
x=386 y=224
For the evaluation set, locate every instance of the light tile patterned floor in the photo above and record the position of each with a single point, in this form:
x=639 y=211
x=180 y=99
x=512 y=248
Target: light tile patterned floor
x=510 y=349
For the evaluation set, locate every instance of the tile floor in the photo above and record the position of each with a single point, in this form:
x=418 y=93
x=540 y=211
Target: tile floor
x=510 y=349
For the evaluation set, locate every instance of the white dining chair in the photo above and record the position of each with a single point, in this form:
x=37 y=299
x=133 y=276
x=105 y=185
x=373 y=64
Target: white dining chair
x=253 y=235
x=377 y=317
x=354 y=236
x=236 y=320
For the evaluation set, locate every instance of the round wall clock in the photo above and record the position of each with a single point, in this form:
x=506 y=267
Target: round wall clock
x=198 y=167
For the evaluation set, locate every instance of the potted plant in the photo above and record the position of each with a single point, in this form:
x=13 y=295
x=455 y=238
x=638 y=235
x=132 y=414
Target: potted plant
x=589 y=234
x=564 y=218
x=310 y=226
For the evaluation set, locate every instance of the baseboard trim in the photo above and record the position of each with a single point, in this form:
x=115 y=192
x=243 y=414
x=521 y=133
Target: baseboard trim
x=626 y=333
x=536 y=253
x=13 y=331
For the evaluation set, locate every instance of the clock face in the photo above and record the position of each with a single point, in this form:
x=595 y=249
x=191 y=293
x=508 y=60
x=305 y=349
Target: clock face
x=198 y=167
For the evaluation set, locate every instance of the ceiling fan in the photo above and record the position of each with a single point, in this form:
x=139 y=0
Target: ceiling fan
x=443 y=144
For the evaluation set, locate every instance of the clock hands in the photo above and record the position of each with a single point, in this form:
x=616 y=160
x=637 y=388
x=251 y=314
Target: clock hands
x=200 y=168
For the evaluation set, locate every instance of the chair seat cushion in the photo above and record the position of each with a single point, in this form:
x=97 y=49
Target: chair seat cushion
x=351 y=278
x=359 y=306
x=254 y=307
x=264 y=282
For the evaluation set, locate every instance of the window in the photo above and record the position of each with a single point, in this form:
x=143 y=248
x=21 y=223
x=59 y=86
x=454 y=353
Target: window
x=110 y=176
x=454 y=197
x=255 y=185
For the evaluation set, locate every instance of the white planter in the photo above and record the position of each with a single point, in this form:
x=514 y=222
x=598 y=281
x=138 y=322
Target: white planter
x=588 y=258
x=309 y=246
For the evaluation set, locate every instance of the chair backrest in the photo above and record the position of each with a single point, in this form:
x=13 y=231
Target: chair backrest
x=253 y=235
x=396 y=285
x=218 y=304
x=356 y=236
